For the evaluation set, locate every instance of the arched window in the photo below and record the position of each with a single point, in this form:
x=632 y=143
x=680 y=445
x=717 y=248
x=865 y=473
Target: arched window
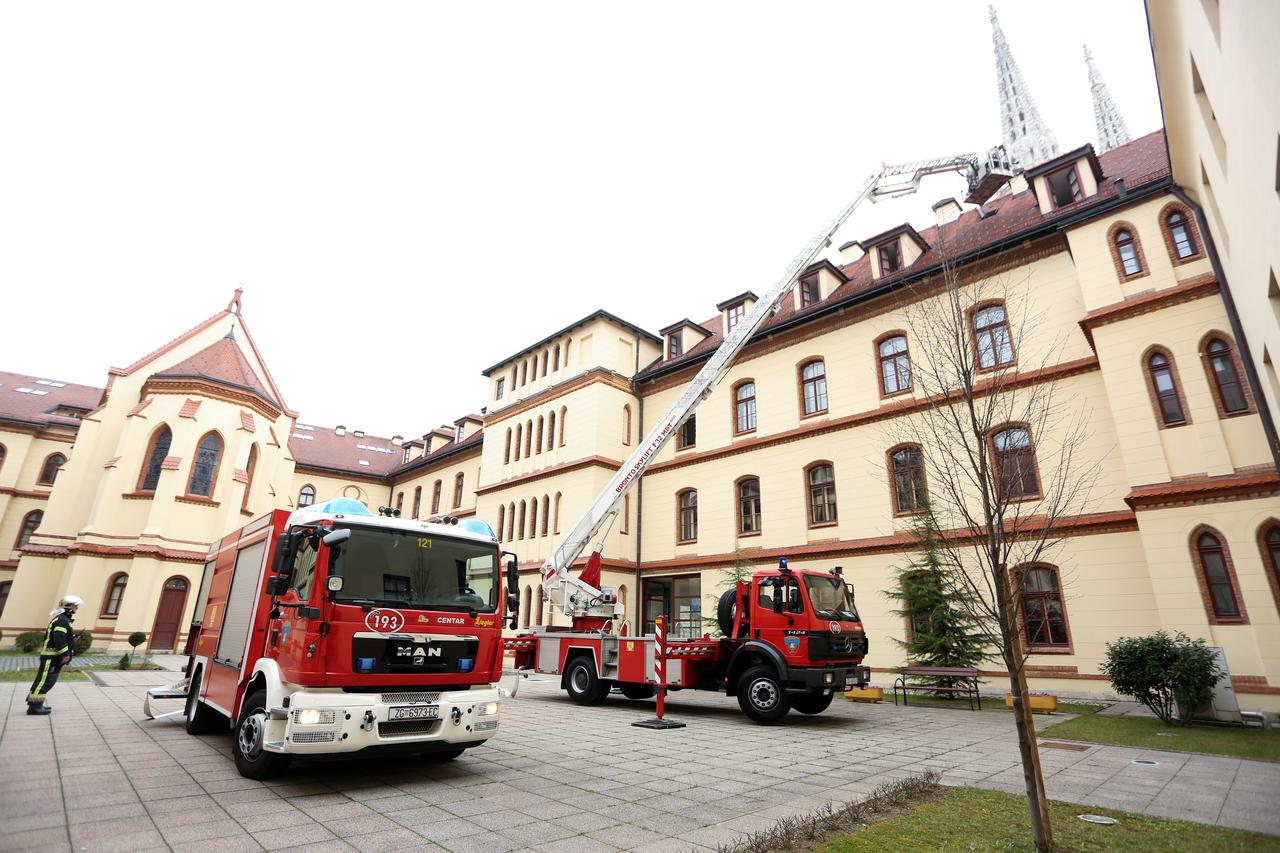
x=895 y=364
x=1044 y=615
x=907 y=479
x=115 y=594
x=528 y=438
x=417 y=501
x=1224 y=377
x=688 y=434
x=545 y=354
x=555 y=511
x=30 y=523
x=813 y=387
x=3 y=453
x=1015 y=464
x=1126 y=248
x=1165 y=389
x=546 y=513
x=564 y=413
x=744 y=407
x=519 y=436
x=821 y=480
x=5 y=587
x=533 y=517
x=249 y=468
x=1180 y=236
x=626 y=515
x=520 y=525
x=555 y=359
x=49 y=470
x=1217 y=579
x=991 y=337
x=306 y=495
x=551 y=430
x=400 y=502
x=626 y=424
x=748 y=506
x=436 y=488
x=511 y=521
x=526 y=601
x=506 y=448
x=687 y=515
x=149 y=478
x=457 y=490
x=566 y=353
x=1269 y=540
x=502 y=519
x=524 y=372
x=537 y=445
x=204 y=468
x=538 y=612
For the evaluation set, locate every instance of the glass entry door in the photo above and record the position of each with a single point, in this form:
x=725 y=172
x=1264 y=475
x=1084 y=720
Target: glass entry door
x=680 y=600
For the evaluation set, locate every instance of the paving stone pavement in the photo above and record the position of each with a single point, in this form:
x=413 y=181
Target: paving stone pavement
x=95 y=776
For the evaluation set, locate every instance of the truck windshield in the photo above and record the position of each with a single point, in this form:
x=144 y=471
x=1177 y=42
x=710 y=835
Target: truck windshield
x=830 y=598
x=414 y=571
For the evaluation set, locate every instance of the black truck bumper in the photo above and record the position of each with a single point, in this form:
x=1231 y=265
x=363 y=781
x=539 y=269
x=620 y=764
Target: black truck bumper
x=827 y=678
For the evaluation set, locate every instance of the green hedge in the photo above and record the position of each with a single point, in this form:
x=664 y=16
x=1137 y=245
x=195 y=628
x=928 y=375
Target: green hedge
x=29 y=641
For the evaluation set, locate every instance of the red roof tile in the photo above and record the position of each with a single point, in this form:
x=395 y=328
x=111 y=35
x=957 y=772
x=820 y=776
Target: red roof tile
x=321 y=447
x=189 y=409
x=37 y=408
x=171 y=463
x=246 y=421
x=221 y=362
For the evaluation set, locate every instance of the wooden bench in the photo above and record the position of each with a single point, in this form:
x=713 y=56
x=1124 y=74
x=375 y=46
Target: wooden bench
x=967 y=675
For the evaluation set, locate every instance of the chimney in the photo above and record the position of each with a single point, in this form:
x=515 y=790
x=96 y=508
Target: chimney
x=1120 y=190
x=397 y=440
x=358 y=433
x=851 y=252
x=339 y=430
x=947 y=210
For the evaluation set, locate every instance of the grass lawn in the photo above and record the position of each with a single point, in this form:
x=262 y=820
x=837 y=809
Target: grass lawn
x=976 y=819
x=28 y=675
x=1150 y=733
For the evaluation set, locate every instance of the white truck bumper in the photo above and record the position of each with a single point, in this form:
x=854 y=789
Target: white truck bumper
x=320 y=722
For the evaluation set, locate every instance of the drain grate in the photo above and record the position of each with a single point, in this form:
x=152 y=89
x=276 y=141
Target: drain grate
x=1099 y=819
x=1146 y=762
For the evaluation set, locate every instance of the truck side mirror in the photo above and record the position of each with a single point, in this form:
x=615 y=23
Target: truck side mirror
x=337 y=537
x=777 y=600
x=277 y=584
x=513 y=575
x=286 y=545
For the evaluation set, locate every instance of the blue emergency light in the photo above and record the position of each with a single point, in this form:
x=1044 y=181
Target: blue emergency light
x=475 y=525
x=466 y=664
x=340 y=506
x=366 y=664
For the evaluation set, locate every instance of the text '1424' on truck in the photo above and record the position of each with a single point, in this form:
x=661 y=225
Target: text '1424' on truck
x=333 y=630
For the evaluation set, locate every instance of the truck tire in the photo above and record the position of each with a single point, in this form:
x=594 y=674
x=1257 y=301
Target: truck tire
x=582 y=683
x=726 y=610
x=201 y=719
x=252 y=760
x=638 y=691
x=812 y=703
x=762 y=696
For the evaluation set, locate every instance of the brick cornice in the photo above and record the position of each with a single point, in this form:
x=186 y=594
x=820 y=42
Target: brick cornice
x=546 y=395
x=587 y=462
x=116 y=552
x=163 y=385
x=23 y=493
x=1197 y=287
x=1204 y=490
x=897 y=408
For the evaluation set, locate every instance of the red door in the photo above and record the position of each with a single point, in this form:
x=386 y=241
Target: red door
x=173 y=599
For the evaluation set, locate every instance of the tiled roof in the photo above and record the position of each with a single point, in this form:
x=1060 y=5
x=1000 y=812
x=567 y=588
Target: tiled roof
x=42 y=397
x=322 y=447
x=473 y=440
x=595 y=315
x=221 y=362
x=1139 y=162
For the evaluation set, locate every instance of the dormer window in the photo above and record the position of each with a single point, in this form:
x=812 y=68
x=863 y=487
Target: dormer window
x=735 y=314
x=1064 y=187
x=890 y=257
x=462 y=430
x=502 y=387
x=810 y=292
x=674 y=349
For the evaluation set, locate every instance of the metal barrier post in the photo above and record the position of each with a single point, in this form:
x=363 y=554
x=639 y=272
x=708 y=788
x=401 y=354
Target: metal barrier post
x=660 y=674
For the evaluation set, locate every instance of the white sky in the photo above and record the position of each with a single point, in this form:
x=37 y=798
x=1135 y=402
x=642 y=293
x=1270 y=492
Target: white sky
x=409 y=192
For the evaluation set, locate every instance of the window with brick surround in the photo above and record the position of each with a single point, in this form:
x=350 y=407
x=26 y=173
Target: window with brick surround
x=1165 y=389
x=1044 y=613
x=1224 y=375
x=1127 y=250
x=1184 y=244
x=49 y=470
x=748 y=506
x=1216 y=575
x=991 y=337
x=1015 y=464
x=204 y=467
x=895 y=364
x=821 y=481
x=907 y=479
x=115 y=594
x=149 y=478
x=744 y=407
x=813 y=387
x=687 y=515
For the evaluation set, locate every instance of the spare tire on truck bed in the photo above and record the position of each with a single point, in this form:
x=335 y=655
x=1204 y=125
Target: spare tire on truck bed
x=726 y=610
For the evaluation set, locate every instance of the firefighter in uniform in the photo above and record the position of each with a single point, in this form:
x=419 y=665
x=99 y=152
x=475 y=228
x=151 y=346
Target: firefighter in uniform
x=54 y=655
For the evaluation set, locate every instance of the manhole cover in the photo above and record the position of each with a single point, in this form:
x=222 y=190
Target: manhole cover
x=1146 y=761
x=1099 y=819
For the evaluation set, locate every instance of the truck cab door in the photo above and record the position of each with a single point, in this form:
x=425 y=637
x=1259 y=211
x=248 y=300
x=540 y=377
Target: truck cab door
x=777 y=615
x=292 y=633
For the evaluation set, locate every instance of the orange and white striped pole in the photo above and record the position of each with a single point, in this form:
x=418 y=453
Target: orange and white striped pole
x=660 y=675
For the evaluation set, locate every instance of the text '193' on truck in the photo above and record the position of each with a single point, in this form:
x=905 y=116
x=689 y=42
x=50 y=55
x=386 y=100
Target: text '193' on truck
x=333 y=630
x=792 y=639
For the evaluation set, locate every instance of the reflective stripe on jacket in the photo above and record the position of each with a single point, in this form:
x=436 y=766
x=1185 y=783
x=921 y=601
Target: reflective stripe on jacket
x=57 y=639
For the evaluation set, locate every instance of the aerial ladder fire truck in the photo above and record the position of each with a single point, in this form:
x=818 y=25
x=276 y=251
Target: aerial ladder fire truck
x=791 y=638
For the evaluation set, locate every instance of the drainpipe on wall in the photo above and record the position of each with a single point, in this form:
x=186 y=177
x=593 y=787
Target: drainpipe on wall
x=1233 y=317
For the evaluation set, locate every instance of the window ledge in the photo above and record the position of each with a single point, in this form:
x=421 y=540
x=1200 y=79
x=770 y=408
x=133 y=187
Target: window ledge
x=108 y=618
x=749 y=535
x=822 y=524
x=751 y=431
x=887 y=395
x=138 y=496
x=686 y=447
x=1228 y=620
x=686 y=541
x=1051 y=650
x=817 y=414
x=1134 y=276
x=197 y=500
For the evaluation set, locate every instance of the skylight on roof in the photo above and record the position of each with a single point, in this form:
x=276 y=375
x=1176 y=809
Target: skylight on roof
x=375 y=449
x=307 y=428
x=304 y=437
x=364 y=462
x=51 y=383
x=35 y=391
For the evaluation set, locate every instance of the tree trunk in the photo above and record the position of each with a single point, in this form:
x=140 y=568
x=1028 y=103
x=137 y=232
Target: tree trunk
x=1033 y=777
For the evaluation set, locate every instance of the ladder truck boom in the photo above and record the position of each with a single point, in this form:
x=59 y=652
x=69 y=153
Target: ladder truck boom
x=583 y=600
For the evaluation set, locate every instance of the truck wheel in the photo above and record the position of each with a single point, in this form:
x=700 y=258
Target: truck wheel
x=762 y=696
x=443 y=755
x=726 y=610
x=812 y=703
x=252 y=760
x=638 y=691
x=582 y=683
x=201 y=719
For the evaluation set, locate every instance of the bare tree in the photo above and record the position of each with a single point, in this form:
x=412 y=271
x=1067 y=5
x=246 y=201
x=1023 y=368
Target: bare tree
x=1002 y=444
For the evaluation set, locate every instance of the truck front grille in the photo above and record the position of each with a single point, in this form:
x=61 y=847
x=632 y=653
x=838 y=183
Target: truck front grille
x=407 y=728
x=410 y=698
x=311 y=737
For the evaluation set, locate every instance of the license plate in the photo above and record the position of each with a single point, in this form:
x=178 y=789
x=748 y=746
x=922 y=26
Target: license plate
x=414 y=712
x=850 y=682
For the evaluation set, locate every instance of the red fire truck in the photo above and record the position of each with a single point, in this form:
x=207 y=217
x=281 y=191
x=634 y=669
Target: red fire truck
x=334 y=630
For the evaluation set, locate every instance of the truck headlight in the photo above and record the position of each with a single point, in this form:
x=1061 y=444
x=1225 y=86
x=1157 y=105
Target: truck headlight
x=827 y=677
x=487 y=708
x=307 y=717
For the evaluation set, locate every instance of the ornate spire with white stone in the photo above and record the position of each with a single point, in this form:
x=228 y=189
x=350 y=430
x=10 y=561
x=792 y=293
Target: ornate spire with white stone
x=1112 y=131
x=1027 y=139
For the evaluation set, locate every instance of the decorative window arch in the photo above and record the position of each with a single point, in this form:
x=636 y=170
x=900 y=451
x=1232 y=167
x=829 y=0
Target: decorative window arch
x=204 y=466
x=114 y=594
x=436 y=489
x=524 y=372
x=458 y=482
x=250 y=468
x=157 y=450
x=545 y=356
x=1126 y=252
x=894 y=362
x=1216 y=575
x=502 y=518
x=1269 y=544
x=626 y=424
x=49 y=470
x=1165 y=388
x=626 y=516
x=907 y=484
x=1014 y=463
x=820 y=485
x=1226 y=375
x=992 y=340
x=687 y=516
x=306 y=495
x=746 y=492
x=1181 y=237
x=744 y=407
x=813 y=387
x=506 y=448
x=1044 y=609
x=417 y=501
x=30 y=523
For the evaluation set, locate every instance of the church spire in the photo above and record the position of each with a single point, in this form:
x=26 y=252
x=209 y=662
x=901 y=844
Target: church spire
x=1027 y=139
x=1112 y=131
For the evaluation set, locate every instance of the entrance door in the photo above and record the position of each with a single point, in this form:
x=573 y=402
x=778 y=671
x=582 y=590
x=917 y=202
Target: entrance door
x=173 y=599
x=679 y=599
